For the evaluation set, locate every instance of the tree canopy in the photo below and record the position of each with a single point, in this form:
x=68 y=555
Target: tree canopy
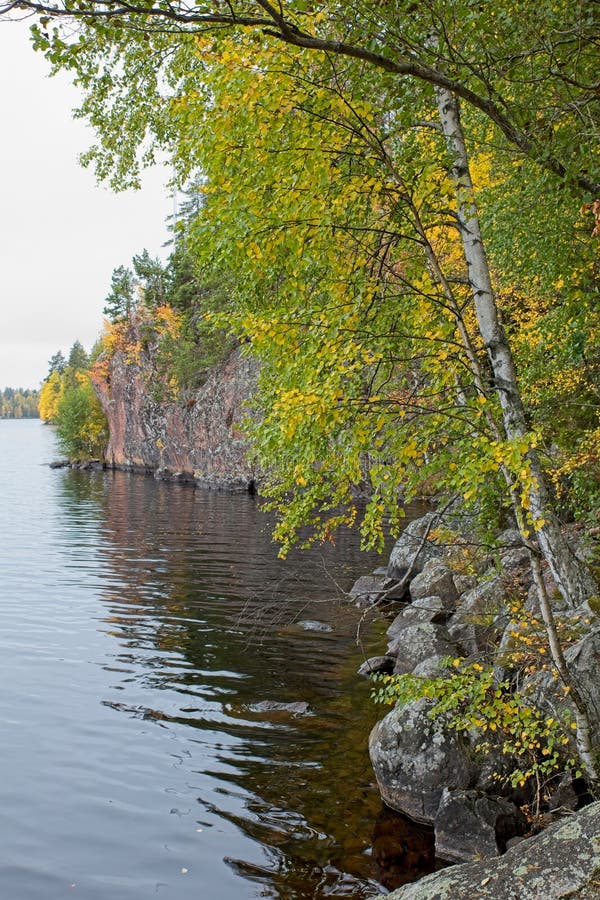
x=497 y=58
x=68 y=401
x=400 y=205
x=328 y=215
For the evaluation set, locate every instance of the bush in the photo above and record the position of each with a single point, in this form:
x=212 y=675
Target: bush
x=81 y=426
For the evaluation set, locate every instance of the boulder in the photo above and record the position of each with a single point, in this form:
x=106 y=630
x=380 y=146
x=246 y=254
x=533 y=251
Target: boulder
x=561 y=862
x=471 y=825
x=367 y=589
x=509 y=539
x=510 y=550
x=464 y=583
x=566 y=794
x=432 y=666
x=546 y=690
x=424 y=611
x=516 y=558
x=419 y=642
x=583 y=661
x=435 y=580
x=411 y=551
x=480 y=618
x=495 y=768
x=414 y=759
x=96 y=465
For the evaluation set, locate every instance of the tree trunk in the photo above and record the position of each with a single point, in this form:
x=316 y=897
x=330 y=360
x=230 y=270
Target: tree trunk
x=572 y=577
x=585 y=731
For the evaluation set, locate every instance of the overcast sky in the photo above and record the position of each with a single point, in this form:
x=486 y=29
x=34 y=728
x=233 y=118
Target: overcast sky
x=61 y=234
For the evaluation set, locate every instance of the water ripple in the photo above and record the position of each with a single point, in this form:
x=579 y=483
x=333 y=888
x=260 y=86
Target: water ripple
x=171 y=725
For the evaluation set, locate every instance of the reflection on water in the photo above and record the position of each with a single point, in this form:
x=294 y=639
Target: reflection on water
x=183 y=713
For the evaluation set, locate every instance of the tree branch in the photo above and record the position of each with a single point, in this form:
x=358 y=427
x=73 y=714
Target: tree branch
x=275 y=24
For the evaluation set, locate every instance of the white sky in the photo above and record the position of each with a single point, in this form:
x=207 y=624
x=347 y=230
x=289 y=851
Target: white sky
x=61 y=234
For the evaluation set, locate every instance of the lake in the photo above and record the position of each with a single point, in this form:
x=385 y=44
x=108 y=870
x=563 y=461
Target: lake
x=181 y=716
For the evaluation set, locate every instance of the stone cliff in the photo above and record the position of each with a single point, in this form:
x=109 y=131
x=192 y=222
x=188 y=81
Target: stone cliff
x=197 y=438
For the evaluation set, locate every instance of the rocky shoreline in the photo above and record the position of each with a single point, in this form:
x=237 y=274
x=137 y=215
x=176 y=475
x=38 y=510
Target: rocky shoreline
x=233 y=485
x=561 y=863
x=434 y=773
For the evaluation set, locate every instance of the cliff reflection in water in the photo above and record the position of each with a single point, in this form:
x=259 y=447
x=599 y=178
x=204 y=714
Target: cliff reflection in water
x=214 y=638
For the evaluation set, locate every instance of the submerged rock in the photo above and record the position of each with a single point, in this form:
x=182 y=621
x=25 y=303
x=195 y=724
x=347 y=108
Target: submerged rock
x=401 y=849
x=314 y=625
x=471 y=825
x=59 y=464
x=561 y=862
x=296 y=708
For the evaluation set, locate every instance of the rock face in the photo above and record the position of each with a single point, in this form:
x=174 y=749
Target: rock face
x=561 y=862
x=199 y=439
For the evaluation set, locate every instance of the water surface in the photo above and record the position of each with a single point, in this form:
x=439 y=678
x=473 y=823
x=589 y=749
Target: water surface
x=151 y=642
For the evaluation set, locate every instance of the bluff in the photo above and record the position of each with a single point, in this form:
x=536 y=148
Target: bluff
x=197 y=438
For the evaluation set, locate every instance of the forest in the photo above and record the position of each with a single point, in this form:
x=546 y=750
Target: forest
x=396 y=208
x=19 y=403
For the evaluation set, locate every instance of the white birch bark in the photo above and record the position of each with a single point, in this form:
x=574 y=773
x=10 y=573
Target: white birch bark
x=572 y=577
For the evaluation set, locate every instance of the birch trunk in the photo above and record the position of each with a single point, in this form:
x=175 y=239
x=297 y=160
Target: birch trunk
x=572 y=577
x=585 y=732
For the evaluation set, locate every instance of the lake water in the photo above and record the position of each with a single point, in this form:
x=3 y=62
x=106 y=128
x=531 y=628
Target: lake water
x=148 y=633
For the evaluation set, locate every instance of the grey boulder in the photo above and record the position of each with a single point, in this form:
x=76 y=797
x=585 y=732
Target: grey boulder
x=413 y=549
x=436 y=580
x=414 y=759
